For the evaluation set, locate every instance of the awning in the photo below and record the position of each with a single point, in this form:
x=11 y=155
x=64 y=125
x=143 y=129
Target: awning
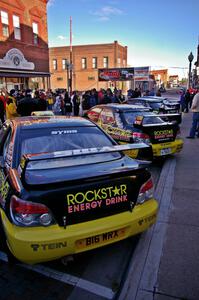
x=21 y=73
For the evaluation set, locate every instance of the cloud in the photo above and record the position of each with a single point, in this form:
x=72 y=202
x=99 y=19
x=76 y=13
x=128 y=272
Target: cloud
x=61 y=37
x=51 y=2
x=106 y=12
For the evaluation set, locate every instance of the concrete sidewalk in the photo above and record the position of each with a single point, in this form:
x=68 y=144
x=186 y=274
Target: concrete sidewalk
x=165 y=265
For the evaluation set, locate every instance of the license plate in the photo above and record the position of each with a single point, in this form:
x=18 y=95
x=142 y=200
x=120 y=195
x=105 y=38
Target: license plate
x=101 y=239
x=165 y=151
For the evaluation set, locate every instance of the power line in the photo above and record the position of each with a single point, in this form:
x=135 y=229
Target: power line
x=166 y=67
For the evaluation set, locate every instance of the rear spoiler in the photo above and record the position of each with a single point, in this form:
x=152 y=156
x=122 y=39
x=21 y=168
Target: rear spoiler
x=79 y=152
x=173 y=118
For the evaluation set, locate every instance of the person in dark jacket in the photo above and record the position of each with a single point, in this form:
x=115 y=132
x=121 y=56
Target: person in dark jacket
x=2 y=109
x=27 y=104
x=67 y=104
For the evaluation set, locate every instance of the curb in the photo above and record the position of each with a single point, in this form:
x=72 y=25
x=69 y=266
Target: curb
x=141 y=278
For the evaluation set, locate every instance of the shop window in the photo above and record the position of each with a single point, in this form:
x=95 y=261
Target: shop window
x=84 y=63
x=5 y=23
x=35 y=33
x=16 y=26
x=94 y=62
x=105 y=62
x=65 y=63
x=54 y=64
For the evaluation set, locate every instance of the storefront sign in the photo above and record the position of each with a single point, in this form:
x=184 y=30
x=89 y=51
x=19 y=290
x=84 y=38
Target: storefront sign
x=141 y=72
x=14 y=59
x=117 y=74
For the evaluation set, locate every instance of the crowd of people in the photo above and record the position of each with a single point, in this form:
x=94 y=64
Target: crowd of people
x=186 y=99
x=23 y=103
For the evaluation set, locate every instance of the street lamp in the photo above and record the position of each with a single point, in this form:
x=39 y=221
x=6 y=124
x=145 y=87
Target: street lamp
x=190 y=58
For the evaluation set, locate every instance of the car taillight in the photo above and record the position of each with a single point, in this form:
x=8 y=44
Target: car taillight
x=146 y=191
x=26 y=213
x=141 y=137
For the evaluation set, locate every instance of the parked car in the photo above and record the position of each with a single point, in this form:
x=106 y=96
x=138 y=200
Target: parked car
x=157 y=104
x=136 y=123
x=67 y=187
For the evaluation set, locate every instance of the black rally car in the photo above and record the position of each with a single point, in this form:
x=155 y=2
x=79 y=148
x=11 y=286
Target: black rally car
x=67 y=187
x=157 y=104
x=135 y=124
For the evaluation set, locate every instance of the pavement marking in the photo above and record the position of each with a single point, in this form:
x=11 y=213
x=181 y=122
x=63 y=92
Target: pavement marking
x=89 y=286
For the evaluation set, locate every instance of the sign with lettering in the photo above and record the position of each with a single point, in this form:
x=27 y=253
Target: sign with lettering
x=14 y=59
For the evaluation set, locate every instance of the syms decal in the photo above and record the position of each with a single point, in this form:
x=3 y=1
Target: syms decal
x=161 y=134
x=97 y=198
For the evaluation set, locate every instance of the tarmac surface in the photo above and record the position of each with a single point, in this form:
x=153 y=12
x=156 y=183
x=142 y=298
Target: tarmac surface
x=165 y=264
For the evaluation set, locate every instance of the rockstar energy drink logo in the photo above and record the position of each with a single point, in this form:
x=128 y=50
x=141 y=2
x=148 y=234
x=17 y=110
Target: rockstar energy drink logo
x=159 y=134
x=96 y=198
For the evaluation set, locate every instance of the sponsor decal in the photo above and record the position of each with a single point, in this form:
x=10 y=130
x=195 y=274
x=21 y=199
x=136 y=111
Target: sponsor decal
x=97 y=198
x=57 y=132
x=117 y=133
x=160 y=134
x=45 y=247
x=4 y=189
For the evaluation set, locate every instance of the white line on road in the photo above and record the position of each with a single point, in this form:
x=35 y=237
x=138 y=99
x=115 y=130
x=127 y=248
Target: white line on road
x=89 y=286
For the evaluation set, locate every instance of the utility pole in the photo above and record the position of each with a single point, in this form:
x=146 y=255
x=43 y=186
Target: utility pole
x=71 y=60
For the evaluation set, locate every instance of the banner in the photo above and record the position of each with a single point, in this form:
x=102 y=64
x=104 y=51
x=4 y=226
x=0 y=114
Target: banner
x=116 y=74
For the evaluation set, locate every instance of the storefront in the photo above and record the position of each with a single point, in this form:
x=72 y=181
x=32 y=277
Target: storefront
x=18 y=73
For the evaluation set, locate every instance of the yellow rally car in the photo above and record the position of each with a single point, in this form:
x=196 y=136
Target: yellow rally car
x=67 y=187
x=136 y=123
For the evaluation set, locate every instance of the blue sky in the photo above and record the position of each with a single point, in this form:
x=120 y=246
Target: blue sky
x=157 y=33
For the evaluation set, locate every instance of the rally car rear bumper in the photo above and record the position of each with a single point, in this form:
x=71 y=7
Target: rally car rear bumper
x=39 y=244
x=167 y=148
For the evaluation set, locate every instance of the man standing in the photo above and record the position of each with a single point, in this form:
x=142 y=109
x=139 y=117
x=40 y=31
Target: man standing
x=195 y=120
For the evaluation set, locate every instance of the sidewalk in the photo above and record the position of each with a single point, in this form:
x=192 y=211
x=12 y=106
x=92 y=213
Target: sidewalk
x=165 y=265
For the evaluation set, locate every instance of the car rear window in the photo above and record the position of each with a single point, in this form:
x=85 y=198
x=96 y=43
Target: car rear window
x=60 y=139
x=150 y=117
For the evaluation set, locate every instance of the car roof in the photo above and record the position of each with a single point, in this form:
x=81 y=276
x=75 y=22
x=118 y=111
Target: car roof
x=125 y=107
x=50 y=121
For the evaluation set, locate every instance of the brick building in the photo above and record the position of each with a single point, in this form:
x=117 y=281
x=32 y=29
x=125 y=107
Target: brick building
x=24 y=55
x=161 y=77
x=86 y=60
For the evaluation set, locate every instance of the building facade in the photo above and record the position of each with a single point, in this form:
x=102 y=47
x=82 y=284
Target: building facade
x=24 y=54
x=85 y=61
x=161 y=77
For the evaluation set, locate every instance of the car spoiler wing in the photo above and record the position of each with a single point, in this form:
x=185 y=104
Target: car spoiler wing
x=171 y=118
x=26 y=158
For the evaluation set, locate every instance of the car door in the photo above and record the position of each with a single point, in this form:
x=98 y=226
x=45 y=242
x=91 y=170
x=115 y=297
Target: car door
x=5 y=161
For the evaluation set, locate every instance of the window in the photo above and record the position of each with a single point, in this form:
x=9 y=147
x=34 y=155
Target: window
x=94 y=62
x=5 y=23
x=64 y=63
x=54 y=64
x=16 y=25
x=118 y=61
x=35 y=33
x=107 y=117
x=84 y=63
x=105 y=62
x=124 y=63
